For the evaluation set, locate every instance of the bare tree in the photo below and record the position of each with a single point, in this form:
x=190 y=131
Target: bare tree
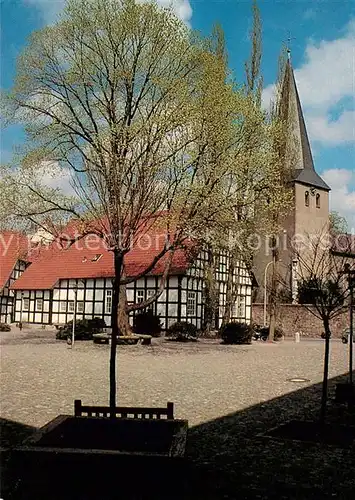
x=323 y=287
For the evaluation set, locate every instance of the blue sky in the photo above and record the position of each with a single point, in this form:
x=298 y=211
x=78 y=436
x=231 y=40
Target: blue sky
x=323 y=56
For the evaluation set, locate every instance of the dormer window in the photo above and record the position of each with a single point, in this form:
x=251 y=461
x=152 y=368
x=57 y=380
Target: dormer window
x=96 y=257
x=318 y=200
x=306 y=198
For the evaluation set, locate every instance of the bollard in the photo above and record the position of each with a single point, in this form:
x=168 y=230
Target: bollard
x=297 y=336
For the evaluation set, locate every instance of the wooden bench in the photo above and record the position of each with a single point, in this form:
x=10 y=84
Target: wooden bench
x=101 y=338
x=124 y=411
x=104 y=338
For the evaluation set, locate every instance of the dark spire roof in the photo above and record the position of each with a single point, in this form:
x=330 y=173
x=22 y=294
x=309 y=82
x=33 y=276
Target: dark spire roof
x=291 y=110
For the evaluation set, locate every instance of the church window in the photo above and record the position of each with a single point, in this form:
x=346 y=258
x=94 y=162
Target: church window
x=306 y=198
x=318 y=200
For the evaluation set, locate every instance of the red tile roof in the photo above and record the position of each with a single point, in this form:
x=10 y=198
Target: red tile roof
x=54 y=263
x=13 y=247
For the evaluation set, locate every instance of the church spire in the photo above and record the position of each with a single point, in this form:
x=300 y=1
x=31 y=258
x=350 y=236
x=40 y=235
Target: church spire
x=291 y=111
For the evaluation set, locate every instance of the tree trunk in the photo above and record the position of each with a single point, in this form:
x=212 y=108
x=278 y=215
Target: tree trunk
x=123 y=317
x=272 y=323
x=118 y=261
x=209 y=294
x=229 y=294
x=325 y=371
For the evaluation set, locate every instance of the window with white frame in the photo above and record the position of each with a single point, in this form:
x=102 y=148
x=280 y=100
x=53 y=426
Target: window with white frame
x=241 y=306
x=108 y=301
x=26 y=304
x=140 y=296
x=80 y=307
x=71 y=306
x=63 y=307
x=191 y=304
x=39 y=305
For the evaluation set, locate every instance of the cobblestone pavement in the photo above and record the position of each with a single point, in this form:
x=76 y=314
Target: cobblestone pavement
x=41 y=377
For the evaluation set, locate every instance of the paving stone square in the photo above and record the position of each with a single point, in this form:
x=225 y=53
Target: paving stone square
x=41 y=376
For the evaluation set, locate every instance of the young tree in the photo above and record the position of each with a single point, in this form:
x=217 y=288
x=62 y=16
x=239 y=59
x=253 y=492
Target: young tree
x=323 y=287
x=119 y=98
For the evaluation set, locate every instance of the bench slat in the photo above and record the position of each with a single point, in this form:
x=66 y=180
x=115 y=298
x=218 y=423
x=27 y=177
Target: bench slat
x=123 y=411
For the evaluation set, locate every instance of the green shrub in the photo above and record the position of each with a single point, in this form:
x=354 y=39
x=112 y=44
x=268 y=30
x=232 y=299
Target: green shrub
x=97 y=325
x=4 y=327
x=182 y=331
x=147 y=323
x=84 y=329
x=236 y=333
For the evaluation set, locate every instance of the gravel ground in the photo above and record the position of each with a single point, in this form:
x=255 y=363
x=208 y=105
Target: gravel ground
x=229 y=394
x=41 y=377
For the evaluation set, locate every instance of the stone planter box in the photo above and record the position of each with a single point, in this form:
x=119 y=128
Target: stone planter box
x=91 y=453
x=122 y=436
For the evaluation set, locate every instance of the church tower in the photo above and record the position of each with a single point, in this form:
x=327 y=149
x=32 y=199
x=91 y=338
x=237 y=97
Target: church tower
x=310 y=212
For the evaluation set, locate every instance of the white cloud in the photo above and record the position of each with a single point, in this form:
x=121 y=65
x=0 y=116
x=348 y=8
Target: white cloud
x=332 y=132
x=182 y=8
x=53 y=176
x=50 y=9
x=268 y=95
x=328 y=73
x=325 y=81
x=342 y=197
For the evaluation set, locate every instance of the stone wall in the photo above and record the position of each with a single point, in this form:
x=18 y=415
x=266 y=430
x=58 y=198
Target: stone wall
x=294 y=318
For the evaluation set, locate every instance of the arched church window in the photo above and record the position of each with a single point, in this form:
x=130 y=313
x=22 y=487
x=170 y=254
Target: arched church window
x=318 y=200
x=306 y=198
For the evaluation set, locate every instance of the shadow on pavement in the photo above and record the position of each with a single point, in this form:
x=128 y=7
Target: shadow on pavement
x=226 y=458
x=13 y=432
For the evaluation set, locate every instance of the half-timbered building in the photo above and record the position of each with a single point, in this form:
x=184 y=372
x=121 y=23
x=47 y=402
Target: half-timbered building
x=79 y=279
x=13 y=262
